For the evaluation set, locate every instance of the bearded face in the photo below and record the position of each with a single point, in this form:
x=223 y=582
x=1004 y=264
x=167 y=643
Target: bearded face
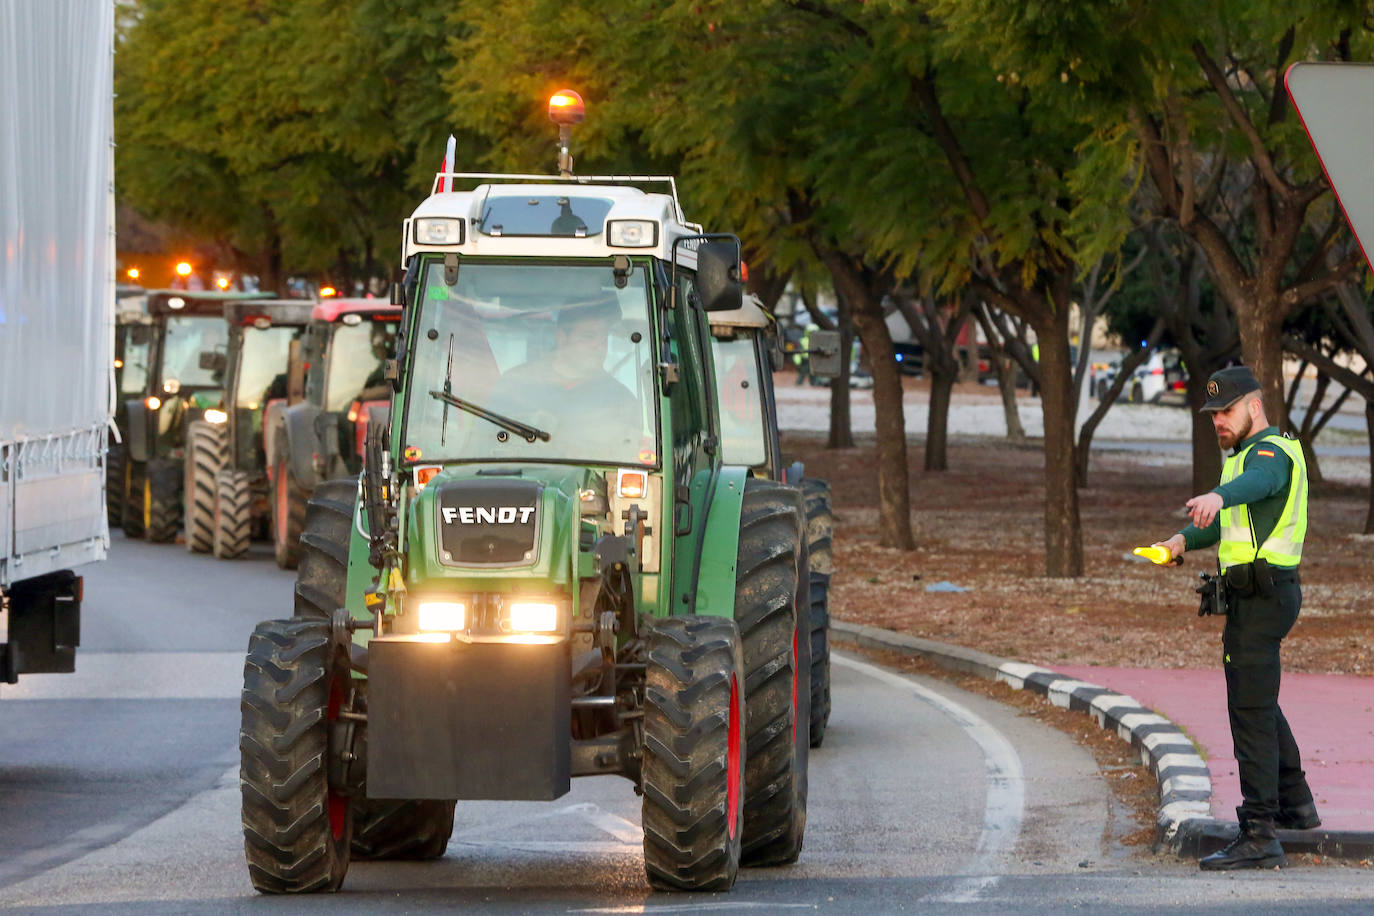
x=1234 y=424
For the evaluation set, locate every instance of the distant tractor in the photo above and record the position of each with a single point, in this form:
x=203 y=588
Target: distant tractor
x=545 y=569
x=320 y=437
x=747 y=351
x=225 y=472
x=172 y=371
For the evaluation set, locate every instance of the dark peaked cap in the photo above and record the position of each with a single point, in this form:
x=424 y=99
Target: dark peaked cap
x=1226 y=386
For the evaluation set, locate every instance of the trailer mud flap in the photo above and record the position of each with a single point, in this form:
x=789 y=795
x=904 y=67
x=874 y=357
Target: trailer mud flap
x=468 y=721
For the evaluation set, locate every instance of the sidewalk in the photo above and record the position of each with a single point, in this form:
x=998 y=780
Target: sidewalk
x=1332 y=717
x=1177 y=719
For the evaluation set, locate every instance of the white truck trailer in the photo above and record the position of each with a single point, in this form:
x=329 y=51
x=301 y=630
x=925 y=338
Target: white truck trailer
x=56 y=319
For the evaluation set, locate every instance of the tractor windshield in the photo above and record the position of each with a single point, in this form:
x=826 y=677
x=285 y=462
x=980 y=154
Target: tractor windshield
x=356 y=353
x=188 y=336
x=553 y=347
x=262 y=366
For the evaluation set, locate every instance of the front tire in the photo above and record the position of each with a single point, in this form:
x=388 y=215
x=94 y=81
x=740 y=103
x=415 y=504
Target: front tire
x=296 y=826
x=161 y=501
x=233 y=514
x=772 y=610
x=694 y=754
x=132 y=517
x=207 y=452
x=115 y=496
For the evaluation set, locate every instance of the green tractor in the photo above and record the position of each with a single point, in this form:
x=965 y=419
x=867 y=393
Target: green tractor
x=225 y=474
x=321 y=436
x=545 y=569
x=747 y=350
x=170 y=371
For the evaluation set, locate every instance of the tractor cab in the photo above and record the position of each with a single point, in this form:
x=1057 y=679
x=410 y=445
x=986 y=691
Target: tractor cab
x=225 y=472
x=173 y=368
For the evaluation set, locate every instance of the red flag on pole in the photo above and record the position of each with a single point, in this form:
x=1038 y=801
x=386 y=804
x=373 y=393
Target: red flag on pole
x=448 y=164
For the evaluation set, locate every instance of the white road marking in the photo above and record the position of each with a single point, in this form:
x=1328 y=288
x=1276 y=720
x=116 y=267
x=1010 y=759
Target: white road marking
x=697 y=907
x=617 y=826
x=138 y=676
x=1006 y=789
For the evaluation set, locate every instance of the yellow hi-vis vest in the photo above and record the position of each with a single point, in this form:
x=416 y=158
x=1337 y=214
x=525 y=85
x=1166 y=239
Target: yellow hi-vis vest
x=1283 y=547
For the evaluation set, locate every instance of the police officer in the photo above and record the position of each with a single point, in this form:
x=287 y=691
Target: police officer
x=1258 y=516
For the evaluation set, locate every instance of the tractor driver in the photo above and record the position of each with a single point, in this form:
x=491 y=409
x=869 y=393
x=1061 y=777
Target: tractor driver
x=571 y=381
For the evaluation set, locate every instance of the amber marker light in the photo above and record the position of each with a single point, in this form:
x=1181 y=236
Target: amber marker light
x=222 y=282
x=328 y=291
x=632 y=484
x=152 y=402
x=566 y=107
x=424 y=474
x=183 y=268
x=132 y=273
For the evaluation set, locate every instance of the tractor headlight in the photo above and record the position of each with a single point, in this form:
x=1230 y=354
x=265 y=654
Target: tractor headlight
x=532 y=616
x=438 y=230
x=216 y=416
x=632 y=233
x=440 y=616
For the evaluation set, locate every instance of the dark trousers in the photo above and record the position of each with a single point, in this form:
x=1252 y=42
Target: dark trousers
x=1271 y=775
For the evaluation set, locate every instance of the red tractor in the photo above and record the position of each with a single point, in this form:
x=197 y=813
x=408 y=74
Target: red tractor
x=343 y=359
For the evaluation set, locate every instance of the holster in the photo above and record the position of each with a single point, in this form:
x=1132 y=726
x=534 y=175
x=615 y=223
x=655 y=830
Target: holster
x=1212 y=595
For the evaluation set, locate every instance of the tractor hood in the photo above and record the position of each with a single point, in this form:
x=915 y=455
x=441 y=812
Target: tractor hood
x=471 y=522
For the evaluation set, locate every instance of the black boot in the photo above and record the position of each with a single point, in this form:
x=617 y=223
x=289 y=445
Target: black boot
x=1299 y=817
x=1255 y=847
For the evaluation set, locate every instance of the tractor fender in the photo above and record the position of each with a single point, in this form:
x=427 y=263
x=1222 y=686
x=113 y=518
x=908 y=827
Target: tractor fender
x=715 y=592
x=296 y=431
x=138 y=434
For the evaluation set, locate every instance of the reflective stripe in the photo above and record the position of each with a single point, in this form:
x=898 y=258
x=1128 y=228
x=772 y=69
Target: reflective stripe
x=1283 y=546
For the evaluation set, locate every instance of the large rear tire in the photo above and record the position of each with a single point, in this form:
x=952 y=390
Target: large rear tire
x=233 y=513
x=694 y=754
x=162 y=501
x=288 y=507
x=773 y=613
x=207 y=452
x=296 y=826
x=820 y=530
x=322 y=574
x=407 y=828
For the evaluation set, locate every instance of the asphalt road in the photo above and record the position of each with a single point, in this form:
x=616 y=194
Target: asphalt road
x=118 y=794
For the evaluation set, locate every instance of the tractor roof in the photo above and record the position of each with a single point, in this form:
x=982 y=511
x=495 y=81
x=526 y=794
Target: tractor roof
x=291 y=312
x=333 y=309
x=751 y=314
x=186 y=302
x=536 y=216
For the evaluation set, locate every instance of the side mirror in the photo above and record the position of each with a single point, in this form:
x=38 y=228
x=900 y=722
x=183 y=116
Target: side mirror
x=213 y=361
x=824 y=353
x=719 y=286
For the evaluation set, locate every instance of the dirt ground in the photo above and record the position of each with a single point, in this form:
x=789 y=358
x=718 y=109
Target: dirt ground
x=980 y=526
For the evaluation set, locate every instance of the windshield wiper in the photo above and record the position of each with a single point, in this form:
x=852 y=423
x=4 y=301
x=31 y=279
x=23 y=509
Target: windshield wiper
x=520 y=429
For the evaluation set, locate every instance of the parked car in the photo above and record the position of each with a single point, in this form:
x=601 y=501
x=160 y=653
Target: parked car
x=1160 y=376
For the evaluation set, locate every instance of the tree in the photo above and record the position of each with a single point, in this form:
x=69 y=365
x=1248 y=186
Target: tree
x=237 y=123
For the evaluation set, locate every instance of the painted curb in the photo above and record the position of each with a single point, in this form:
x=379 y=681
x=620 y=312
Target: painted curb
x=1184 y=824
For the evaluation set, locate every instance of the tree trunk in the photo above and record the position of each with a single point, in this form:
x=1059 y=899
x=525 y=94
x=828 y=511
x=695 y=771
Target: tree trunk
x=937 y=417
x=851 y=280
x=1006 y=384
x=1063 y=527
x=1207 y=458
x=841 y=423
